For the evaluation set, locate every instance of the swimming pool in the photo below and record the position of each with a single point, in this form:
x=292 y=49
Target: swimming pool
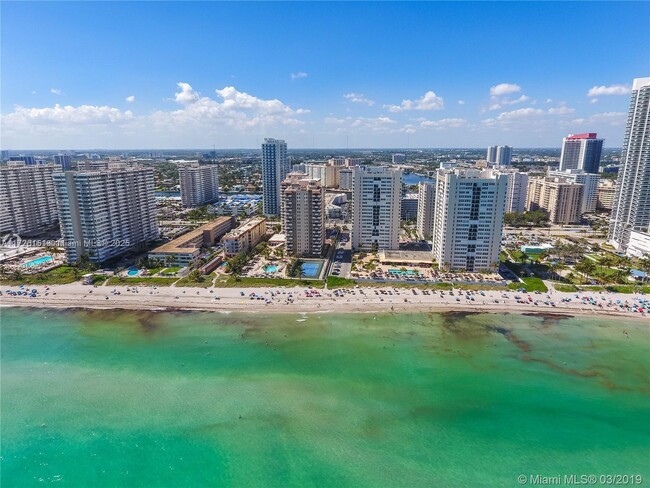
x=270 y=268
x=133 y=272
x=311 y=269
x=400 y=272
x=36 y=262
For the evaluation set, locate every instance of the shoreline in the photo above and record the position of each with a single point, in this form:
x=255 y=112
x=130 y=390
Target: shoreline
x=293 y=300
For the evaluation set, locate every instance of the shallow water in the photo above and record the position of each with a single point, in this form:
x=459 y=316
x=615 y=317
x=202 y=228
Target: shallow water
x=97 y=398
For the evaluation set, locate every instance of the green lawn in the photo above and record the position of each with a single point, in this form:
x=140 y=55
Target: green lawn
x=58 y=276
x=531 y=284
x=140 y=280
x=565 y=288
x=244 y=282
x=205 y=283
x=338 y=282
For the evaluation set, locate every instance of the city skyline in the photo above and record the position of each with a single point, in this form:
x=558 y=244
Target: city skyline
x=129 y=75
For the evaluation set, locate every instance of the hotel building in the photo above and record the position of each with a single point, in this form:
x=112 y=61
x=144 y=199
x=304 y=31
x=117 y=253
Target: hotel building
x=376 y=198
x=581 y=151
x=186 y=248
x=468 y=219
x=103 y=214
x=303 y=215
x=245 y=237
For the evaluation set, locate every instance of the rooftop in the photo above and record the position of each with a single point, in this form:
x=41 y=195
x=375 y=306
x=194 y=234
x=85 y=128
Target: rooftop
x=188 y=242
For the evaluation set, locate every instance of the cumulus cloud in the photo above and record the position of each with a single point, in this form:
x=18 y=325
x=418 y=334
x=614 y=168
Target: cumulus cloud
x=561 y=110
x=187 y=93
x=444 y=123
x=429 y=101
x=609 y=90
x=461 y=102
x=130 y=98
x=83 y=114
x=504 y=89
x=298 y=75
x=359 y=98
x=56 y=91
x=593 y=100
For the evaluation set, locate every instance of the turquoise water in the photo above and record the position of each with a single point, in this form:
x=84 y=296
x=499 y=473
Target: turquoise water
x=35 y=262
x=407 y=272
x=132 y=272
x=113 y=398
x=311 y=269
x=270 y=268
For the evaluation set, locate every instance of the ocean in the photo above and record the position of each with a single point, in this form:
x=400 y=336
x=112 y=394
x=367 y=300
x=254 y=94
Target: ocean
x=123 y=398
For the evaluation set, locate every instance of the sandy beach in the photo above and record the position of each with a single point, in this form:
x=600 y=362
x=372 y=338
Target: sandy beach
x=359 y=300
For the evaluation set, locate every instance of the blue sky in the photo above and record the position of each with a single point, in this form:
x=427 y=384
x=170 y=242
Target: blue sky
x=365 y=74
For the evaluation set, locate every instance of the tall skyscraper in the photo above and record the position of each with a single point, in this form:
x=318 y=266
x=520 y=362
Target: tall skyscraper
x=631 y=209
x=468 y=219
x=426 y=202
x=499 y=155
x=581 y=151
x=303 y=215
x=199 y=184
x=275 y=167
x=27 y=203
x=105 y=213
x=376 y=198
x=64 y=160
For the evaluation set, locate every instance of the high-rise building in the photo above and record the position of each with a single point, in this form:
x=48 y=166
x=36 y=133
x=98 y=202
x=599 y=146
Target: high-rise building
x=589 y=191
x=399 y=158
x=29 y=160
x=303 y=215
x=376 y=196
x=581 y=151
x=499 y=155
x=345 y=179
x=27 y=203
x=605 y=195
x=64 y=160
x=199 y=184
x=105 y=213
x=275 y=166
x=409 y=206
x=560 y=198
x=517 y=188
x=426 y=202
x=468 y=219
x=631 y=209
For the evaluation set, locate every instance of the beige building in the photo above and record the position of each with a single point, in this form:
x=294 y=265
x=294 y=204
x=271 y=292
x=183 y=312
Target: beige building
x=605 y=195
x=303 y=215
x=186 y=248
x=245 y=237
x=426 y=203
x=561 y=199
x=199 y=184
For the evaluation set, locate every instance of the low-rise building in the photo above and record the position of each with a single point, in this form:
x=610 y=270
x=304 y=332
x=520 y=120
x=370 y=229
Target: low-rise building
x=245 y=237
x=186 y=248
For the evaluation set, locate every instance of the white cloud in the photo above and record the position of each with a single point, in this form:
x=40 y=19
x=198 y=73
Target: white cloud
x=299 y=74
x=504 y=89
x=56 y=91
x=130 y=98
x=359 y=98
x=362 y=124
x=187 y=93
x=561 y=110
x=429 y=101
x=83 y=114
x=520 y=113
x=33 y=92
x=444 y=123
x=611 y=118
x=548 y=100
x=593 y=100
x=521 y=99
x=609 y=90
x=461 y=102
